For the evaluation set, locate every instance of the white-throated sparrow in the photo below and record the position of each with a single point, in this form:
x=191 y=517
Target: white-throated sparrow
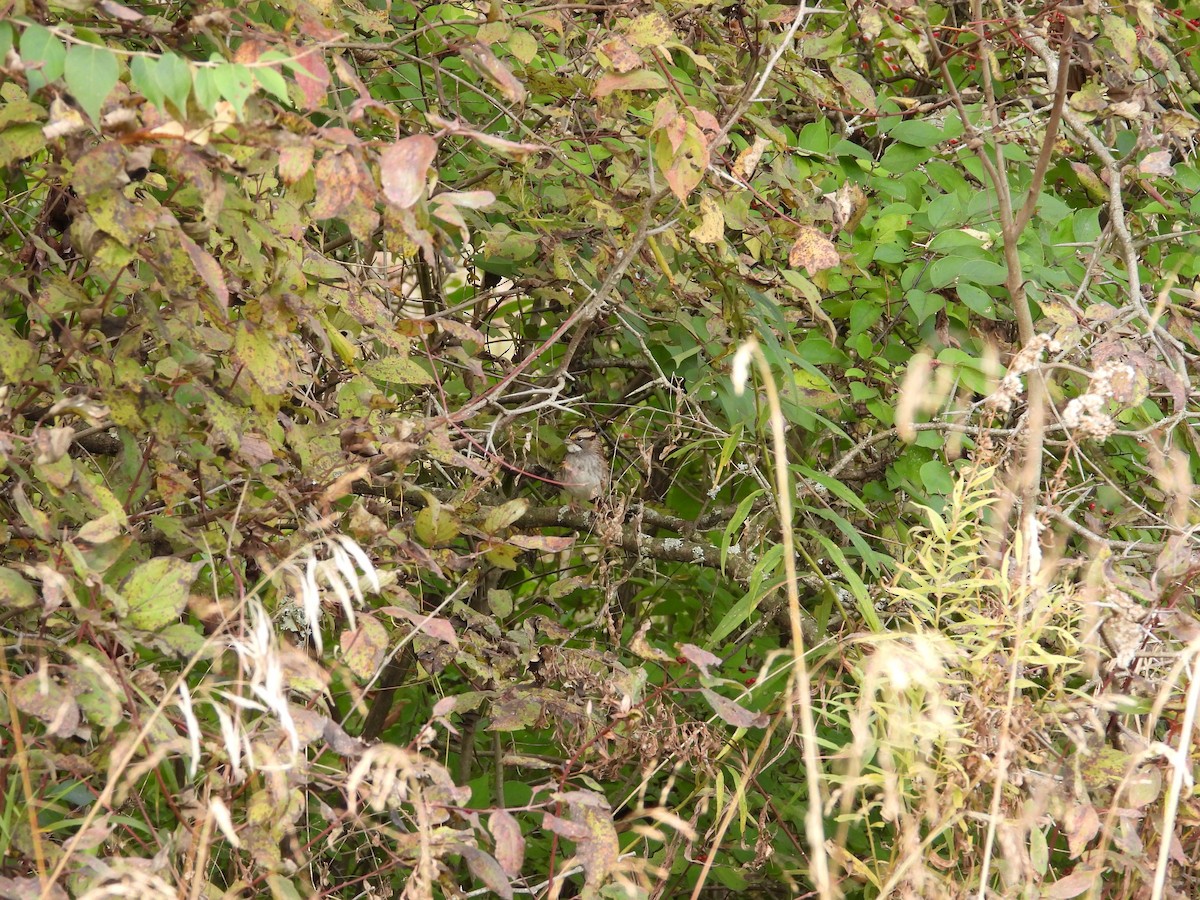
x=584 y=471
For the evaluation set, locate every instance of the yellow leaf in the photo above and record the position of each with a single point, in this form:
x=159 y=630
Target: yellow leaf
x=712 y=223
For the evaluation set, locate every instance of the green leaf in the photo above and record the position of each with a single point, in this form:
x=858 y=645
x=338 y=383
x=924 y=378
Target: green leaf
x=142 y=77
x=20 y=142
x=967 y=368
x=856 y=86
x=43 y=55
x=264 y=356
x=207 y=93
x=901 y=158
x=94 y=686
x=15 y=591
x=744 y=608
x=917 y=133
x=20 y=112
x=854 y=535
x=735 y=522
x=91 y=74
x=396 y=369
x=944 y=211
x=960 y=268
x=17 y=355
x=937 y=477
x=1124 y=40
x=977 y=300
x=502 y=516
x=174 y=77
x=271 y=81
x=835 y=487
x=862 y=597
x=435 y=525
x=157 y=591
x=924 y=305
x=235 y=84
x=954 y=239
x=523 y=46
x=864 y=313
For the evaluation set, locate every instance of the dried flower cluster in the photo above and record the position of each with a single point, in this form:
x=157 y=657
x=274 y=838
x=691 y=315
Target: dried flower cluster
x=632 y=731
x=1086 y=413
x=1026 y=359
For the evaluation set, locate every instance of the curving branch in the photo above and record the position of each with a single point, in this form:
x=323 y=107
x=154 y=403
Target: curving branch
x=738 y=566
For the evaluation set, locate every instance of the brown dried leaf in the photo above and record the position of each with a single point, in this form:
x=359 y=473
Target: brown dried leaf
x=1157 y=163
x=503 y=145
x=515 y=710
x=404 y=168
x=699 y=657
x=564 y=827
x=849 y=205
x=510 y=843
x=51 y=444
x=813 y=251
x=596 y=844
x=487 y=870
x=734 y=713
x=1073 y=885
x=365 y=647
x=747 y=161
x=340 y=742
x=15 y=591
x=486 y=63
x=343 y=484
x=119 y=11
x=640 y=647
x=30 y=887
x=45 y=699
x=641 y=80
x=350 y=78
x=1081 y=823
x=622 y=56
x=255 y=449
x=689 y=163
x=711 y=229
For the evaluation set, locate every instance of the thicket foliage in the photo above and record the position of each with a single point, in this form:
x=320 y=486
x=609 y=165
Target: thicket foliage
x=301 y=302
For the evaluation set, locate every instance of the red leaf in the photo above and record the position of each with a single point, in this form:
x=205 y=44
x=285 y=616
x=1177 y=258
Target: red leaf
x=441 y=629
x=312 y=77
x=510 y=843
x=208 y=269
x=337 y=180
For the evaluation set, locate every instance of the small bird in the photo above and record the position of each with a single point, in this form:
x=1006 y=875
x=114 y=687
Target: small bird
x=584 y=471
